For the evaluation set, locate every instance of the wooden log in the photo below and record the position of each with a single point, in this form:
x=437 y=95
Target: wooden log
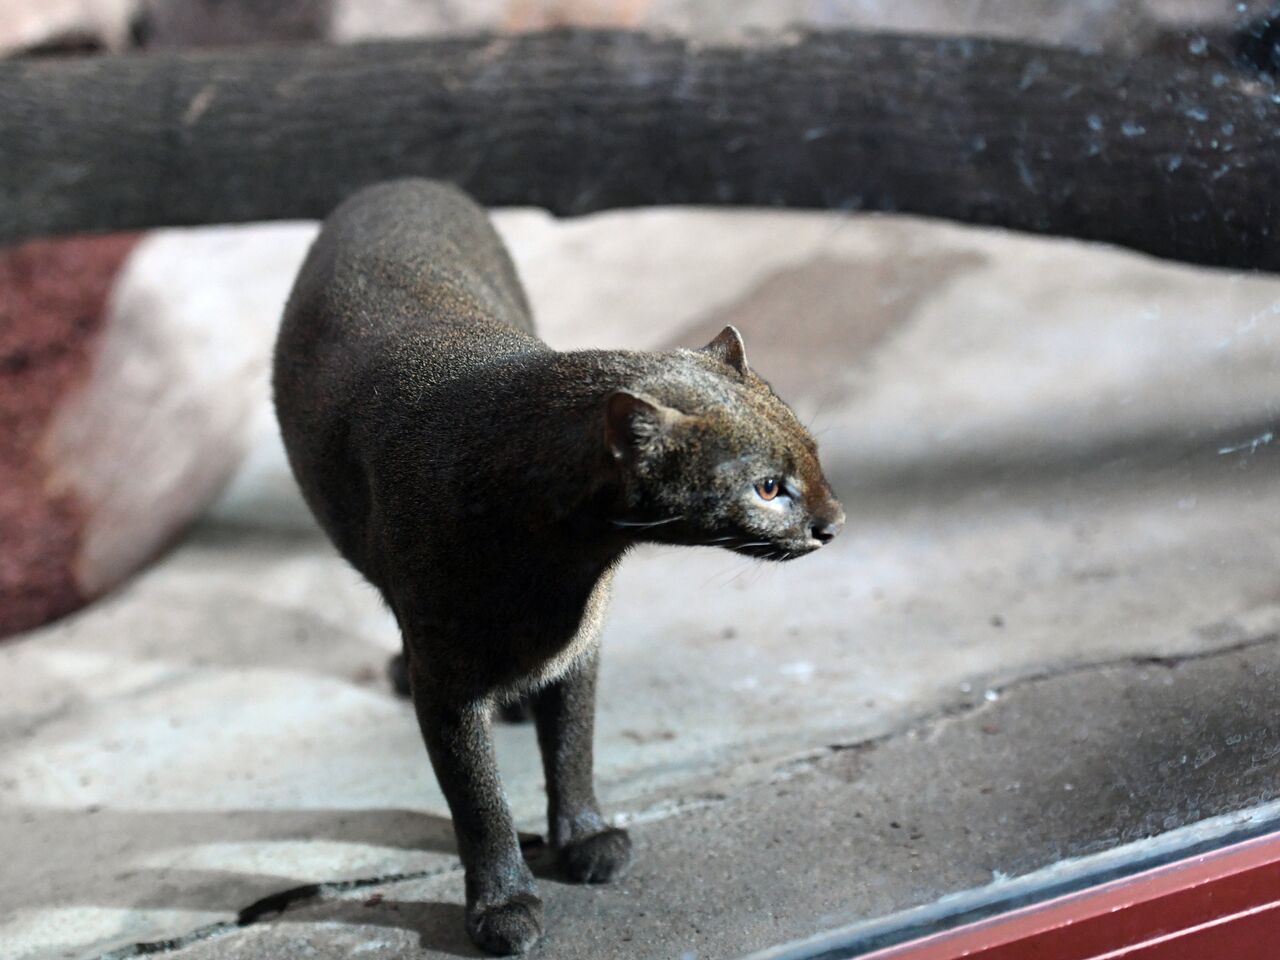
x=1166 y=155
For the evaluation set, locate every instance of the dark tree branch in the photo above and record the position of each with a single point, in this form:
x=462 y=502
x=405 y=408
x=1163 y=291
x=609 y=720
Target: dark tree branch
x=1177 y=158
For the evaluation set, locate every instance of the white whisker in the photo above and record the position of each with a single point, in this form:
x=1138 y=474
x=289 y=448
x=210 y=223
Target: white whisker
x=644 y=523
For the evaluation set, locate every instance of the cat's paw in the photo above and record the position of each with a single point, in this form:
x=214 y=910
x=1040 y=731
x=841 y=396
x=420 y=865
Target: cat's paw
x=599 y=858
x=507 y=928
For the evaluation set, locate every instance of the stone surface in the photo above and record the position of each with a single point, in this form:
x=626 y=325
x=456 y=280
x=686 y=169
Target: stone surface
x=1052 y=769
x=1054 y=458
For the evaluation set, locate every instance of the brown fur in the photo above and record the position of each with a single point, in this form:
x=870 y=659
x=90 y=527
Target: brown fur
x=488 y=486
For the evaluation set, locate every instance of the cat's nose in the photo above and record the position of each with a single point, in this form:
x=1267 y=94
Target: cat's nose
x=824 y=531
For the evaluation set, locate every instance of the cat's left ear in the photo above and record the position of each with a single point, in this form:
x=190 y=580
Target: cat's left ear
x=729 y=349
x=633 y=420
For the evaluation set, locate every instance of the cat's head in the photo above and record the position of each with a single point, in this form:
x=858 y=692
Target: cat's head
x=707 y=454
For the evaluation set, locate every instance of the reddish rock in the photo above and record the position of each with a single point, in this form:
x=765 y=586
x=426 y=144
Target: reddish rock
x=53 y=296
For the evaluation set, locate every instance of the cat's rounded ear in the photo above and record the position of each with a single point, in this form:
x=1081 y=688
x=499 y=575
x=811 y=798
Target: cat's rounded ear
x=632 y=420
x=729 y=349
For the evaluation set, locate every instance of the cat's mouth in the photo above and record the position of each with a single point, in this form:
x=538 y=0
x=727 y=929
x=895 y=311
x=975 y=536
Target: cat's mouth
x=767 y=550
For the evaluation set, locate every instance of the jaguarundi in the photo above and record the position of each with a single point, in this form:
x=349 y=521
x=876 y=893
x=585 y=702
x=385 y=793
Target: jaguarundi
x=488 y=485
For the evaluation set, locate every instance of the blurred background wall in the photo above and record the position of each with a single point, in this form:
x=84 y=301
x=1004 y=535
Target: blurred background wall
x=117 y=24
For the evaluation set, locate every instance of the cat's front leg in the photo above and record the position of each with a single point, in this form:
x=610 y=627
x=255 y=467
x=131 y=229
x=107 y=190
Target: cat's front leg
x=589 y=850
x=504 y=913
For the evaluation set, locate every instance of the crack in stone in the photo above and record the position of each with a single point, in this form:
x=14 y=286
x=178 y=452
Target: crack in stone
x=1171 y=661
x=275 y=904
x=931 y=722
x=272 y=904
x=1168 y=661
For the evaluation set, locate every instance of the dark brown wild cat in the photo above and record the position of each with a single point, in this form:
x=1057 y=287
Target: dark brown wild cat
x=487 y=485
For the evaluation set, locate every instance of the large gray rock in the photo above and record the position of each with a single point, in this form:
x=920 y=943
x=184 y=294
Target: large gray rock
x=212 y=23
x=163 y=421
x=38 y=23
x=1117 y=24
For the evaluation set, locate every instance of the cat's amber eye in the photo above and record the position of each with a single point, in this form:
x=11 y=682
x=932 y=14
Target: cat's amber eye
x=768 y=489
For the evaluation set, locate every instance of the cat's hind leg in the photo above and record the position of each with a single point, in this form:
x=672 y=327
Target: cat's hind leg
x=515 y=711
x=398 y=674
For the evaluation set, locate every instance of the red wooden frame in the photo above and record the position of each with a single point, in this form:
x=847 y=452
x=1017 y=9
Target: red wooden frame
x=1222 y=905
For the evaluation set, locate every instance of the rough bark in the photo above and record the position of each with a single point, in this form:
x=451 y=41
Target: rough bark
x=1167 y=155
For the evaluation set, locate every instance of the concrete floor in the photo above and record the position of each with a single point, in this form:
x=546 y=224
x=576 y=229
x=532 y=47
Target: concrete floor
x=1055 y=768
x=1050 y=627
